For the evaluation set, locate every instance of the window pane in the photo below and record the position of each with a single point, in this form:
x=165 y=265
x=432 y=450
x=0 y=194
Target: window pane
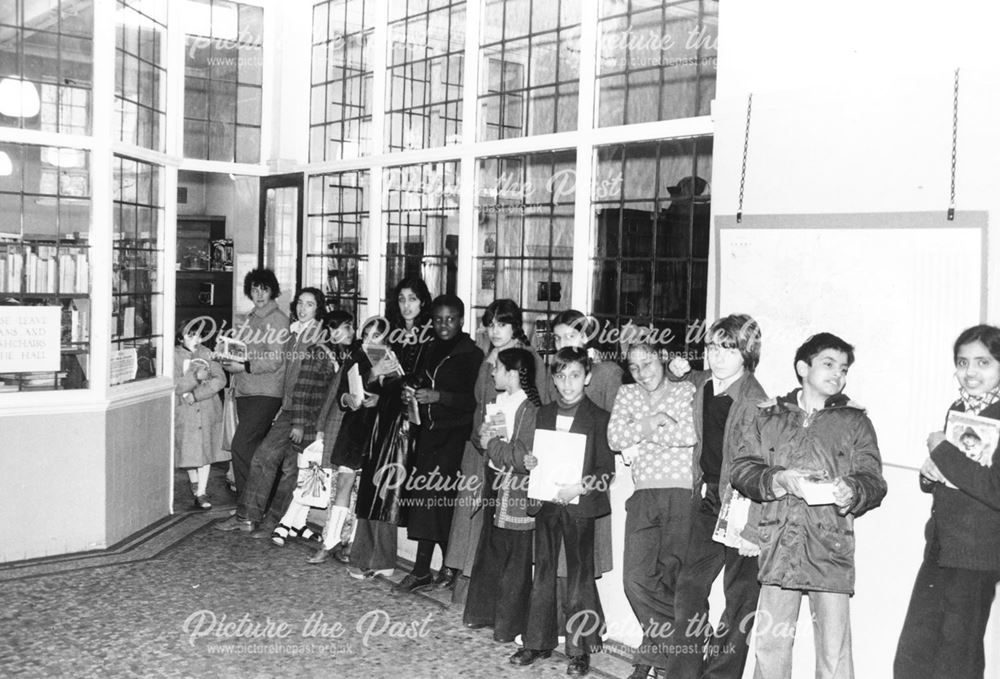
x=136 y=301
x=422 y=225
x=524 y=240
x=223 y=67
x=336 y=244
x=142 y=73
x=651 y=228
x=529 y=70
x=342 y=77
x=656 y=61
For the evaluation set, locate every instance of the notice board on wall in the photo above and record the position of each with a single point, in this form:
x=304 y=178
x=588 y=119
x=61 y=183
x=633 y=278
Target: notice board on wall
x=899 y=287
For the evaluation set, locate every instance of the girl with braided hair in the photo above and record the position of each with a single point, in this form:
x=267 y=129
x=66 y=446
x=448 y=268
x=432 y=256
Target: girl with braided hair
x=500 y=587
x=503 y=323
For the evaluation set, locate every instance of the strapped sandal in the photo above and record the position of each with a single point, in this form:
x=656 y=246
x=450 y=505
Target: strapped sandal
x=305 y=533
x=280 y=533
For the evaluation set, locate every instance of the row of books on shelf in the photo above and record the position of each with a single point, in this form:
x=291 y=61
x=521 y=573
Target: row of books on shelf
x=44 y=269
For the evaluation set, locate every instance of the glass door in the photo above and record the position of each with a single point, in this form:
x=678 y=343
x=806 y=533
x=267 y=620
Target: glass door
x=281 y=204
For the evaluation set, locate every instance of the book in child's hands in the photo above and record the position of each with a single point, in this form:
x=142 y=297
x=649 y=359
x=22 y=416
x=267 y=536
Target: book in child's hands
x=560 y=462
x=495 y=421
x=229 y=349
x=376 y=354
x=354 y=382
x=733 y=515
x=975 y=436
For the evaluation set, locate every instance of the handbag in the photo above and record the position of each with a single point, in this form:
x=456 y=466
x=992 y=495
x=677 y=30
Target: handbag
x=229 y=418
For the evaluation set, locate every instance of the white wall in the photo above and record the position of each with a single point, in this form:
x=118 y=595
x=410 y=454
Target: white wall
x=852 y=113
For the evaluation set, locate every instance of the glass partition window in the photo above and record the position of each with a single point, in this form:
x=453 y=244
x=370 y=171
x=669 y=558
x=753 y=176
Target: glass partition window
x=137 y=260
x=44 y=264
x=341 y=109
x=336 y=240
x=140 y=76
x=656 y=61
x=421 y=211
x=651 y=204
x=222 y=80
x=46 y=65
x=524 y=247
x=529 y=67
x=424 y=88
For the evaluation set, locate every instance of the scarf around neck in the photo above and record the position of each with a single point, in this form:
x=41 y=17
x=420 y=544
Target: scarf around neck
x=977 y=404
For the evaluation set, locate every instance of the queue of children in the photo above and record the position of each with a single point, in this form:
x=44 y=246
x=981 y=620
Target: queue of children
x=807 y=464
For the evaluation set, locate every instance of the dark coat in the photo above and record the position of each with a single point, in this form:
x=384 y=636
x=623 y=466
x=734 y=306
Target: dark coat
x=454 y=378
x=598 y=460
x=747 y=394
x=445 y=426
x=964 y=528
x=803 y=547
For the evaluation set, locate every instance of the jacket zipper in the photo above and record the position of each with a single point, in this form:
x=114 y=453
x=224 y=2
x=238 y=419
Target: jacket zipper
x=434 y=386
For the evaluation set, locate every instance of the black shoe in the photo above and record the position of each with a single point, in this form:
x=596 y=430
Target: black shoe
x=476 y=625
x=447 y=578
x=526 y=656
x=413 y=583
x=640 y=672
x=341 y=553
x=579 y=665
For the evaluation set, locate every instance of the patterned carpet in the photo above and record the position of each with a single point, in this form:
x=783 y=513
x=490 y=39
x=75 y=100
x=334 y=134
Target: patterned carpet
x=184 y=600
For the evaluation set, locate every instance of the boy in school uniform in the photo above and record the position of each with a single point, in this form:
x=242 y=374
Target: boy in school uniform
x=815 y=443
x=557 y=521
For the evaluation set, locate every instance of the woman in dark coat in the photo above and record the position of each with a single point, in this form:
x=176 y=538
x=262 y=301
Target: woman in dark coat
x=377 y=507
x=447 y=402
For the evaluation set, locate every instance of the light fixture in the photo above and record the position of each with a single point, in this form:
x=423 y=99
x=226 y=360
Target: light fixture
x=6 y=167
x=19 y=98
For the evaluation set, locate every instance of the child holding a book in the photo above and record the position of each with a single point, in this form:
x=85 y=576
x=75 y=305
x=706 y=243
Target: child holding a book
x=653 y=424
x=812 y=460
x=942 y=636
x=568 y=518
x=321 y=366
x=500 y=584
x=346 y=424
x=725 y=403
x=198 y=414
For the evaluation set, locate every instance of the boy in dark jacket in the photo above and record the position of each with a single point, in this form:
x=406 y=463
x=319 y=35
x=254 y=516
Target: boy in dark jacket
x=813 y=443
x=558 y=521
x=725 y=404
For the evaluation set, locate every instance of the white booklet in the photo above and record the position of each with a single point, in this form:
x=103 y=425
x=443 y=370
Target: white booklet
x=560 y=457
x=817 y=492
x=354 y=382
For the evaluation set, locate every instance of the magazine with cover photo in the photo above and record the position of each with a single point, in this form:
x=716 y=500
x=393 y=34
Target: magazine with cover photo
x=975 y=436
